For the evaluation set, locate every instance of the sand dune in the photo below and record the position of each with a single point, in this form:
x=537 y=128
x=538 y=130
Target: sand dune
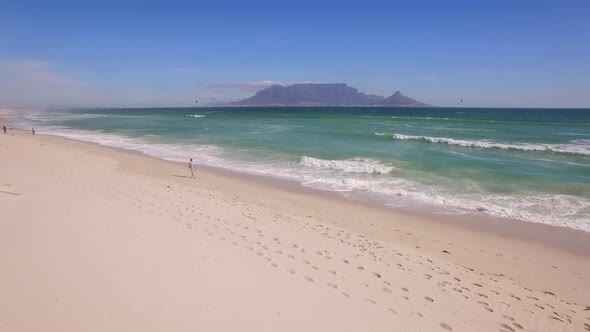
x=93 y=239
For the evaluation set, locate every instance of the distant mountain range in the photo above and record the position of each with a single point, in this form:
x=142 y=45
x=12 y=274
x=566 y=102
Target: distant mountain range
x=323 y=94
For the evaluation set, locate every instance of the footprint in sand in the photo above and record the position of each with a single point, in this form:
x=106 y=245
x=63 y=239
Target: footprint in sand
x=507 y=327
x=508 y=317
x=446 y=326
x=518 y=326
x=310 y=279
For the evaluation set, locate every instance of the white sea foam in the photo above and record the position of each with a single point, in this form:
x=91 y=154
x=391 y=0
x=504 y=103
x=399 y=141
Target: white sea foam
x=47 y=116
x=581 y=147
x=562 y=162
x=558 y=210
x=418 y=118
x=356 y=165
x=208 y=154
x=196 y=115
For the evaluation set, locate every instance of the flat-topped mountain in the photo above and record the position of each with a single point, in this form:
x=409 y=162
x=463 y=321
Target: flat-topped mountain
x=322 y=94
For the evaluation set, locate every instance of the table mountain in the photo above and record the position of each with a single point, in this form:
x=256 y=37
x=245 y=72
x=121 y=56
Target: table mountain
x=321 y=94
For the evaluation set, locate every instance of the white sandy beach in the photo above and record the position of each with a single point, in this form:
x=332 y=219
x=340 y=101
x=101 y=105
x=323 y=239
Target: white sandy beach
x=96 y=239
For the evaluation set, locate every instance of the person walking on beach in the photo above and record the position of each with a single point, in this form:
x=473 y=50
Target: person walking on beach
x=192 y=167
x=33 y=130
x=4 y=128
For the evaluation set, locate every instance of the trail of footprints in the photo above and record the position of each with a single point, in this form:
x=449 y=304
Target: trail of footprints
x=251 y=228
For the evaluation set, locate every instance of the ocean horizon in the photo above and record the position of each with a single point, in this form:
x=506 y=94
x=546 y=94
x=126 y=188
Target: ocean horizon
x=526 y=164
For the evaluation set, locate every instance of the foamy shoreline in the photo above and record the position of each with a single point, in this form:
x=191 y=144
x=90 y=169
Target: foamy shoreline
x=356 y=181
x=98 y=239
x=561 y=237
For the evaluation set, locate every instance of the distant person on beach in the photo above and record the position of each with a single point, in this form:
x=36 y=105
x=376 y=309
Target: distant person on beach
x=4 y=128
x=33 y=130
x=192 y=167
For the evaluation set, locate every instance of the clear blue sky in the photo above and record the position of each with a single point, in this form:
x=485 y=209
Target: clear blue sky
x=141 y=53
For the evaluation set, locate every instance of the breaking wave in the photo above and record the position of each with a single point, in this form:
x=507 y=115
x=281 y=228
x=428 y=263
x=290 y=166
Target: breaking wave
x=581 y=147
x=356 y=165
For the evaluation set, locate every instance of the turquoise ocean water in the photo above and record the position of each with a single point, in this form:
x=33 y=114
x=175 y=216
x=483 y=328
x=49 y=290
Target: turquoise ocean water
x=528 y=164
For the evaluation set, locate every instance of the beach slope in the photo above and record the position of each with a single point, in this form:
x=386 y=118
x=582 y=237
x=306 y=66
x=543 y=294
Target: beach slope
x=94 y=239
